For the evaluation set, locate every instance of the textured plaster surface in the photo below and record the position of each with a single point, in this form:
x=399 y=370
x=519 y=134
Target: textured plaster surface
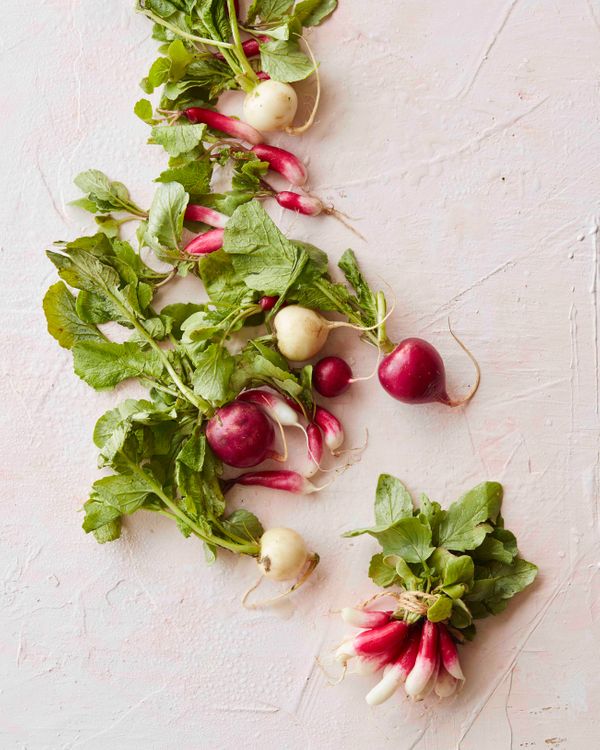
x=463 y=138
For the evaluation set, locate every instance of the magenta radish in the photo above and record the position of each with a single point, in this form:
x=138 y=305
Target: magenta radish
x=426 y=661
x=262 y=76
x=283 y=554
x=205 y=243
x=282 y=479
x=314 y=438
x=446 y=684
x=270 y=106
x=397 y=672
x=241 y=435
x=431 y=682
x=332 y=376
x=224 y=124
x=365 y=618
x=333 y=432
x=376 y=647
x=275 y=407
x=206 y=215
x=307 y=205
x=251 y=48
x=449 y=653
x=267 y=302
x=283 y=162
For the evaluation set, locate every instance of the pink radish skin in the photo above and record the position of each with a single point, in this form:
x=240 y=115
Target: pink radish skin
x=229 y=125
x=267 y=303
x=302 y=204
x=241 y=435
x=262 y=76
x=375 y=647
x=332 y=429
x=284 y=162
x=426 y=661
x=446 y=684
x=397 y=672
x=332 y=376
x=274 y=406
x=283 y=479
x=431 y=683
x=314 y=438
x=206 y=215
x=365 y=618
x=206 y=243
x=449 y=653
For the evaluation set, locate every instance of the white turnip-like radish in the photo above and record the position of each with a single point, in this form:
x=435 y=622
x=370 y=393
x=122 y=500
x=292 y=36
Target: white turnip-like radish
x=270 y=106
x=365 y=618
x=449 y=653
x=426 y=661
x=241 y=435
x=283 y=554
x=278 y=479
x=284 y=162
x=224 y=124
x=374 y=648
x=397 y=672
x=206 y=215
x=208 y=242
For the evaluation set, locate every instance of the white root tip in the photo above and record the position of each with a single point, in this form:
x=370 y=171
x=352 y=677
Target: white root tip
x=385 y=688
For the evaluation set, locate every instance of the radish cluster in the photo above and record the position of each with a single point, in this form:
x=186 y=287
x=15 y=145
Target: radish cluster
x=422 y=656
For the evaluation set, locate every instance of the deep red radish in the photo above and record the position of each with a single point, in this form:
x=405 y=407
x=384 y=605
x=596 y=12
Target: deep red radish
x=449 y=653
x=375 y=647
x=397 y=672
x=267 y=302
x=314 y=438
x=446 y=684
x=206 y=215
x=205 y=243
x=331 y=426
x=240 y=434
x=365 y=618
x=282 y=479
x=332 y=376
x=302 y=204
x=262 y=76
x=251 y=48
x=426 y=661
x=414 y=373
x=224 y=124
x=283 y=162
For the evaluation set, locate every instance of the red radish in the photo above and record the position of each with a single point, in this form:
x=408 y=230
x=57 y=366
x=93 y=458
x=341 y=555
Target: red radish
x=240 y=434
x=314 y=438
x=270 y=106
x=284 y=162
x=426 y=662
x=202 y=244
x=275 y=406
x=208 y=216
x=375 y=647
x=267 y=302
x=332 y=429
x=302 y=204
x=414 y=373
x=365 y=618
x=332 y=376
x=229 y=125
x=262 y=76
x=282 y=479
x=432 y=680
x=397 y=672
x=446 y=684
x=251 y=48
x=449 y=653
x=283 y=554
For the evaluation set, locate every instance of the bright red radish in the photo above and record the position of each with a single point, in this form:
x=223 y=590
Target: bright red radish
x=251 y=48
x=267 y=302
x=332 y=429
x=332 y=376
x=397 y=672
x=229 y=125
x=426 y=662
x=205 y=243
x=414 y=373
x=282 y=479
x=365 y=618
x=449 y=653
x=375 y=647
x=302 y=204
x=284 y=162
x=206 y=215
x=240 y=434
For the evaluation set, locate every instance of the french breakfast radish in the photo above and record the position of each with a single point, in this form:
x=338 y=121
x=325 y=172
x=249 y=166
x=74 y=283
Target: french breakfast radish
x=307 y=205
x=270 y=106
x=241 y=435
x=206 y=215
x=374 y=648
x=365 y=618
x=449 y=653
x=397 y=672
x=283 y=162
x=205 y=243
x=277 y=479
x=224 y=124
x=333 y=432
x=425 y=664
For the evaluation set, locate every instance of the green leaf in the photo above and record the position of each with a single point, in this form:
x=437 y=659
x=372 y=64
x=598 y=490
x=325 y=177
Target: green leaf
x=493 y=549
x=284 y=61
x=178 y=312
x=221 y=280
x=366 y=299
x=194 y=177
x=269 y=11
x=109 y=532
x=178 y=139
x=214 y=368
x=440 y=610
x=165 y=221
x=501 y=581
x=451 y=568
x=461 y=616
x=243 y=524
x=380 y=573
x=106 y=194
x=409 y=579
x=314 y=12
x=408 y=538
x=432 y=514
x=157 y=75
x=64 y=324
x=464 y=526
x=113 y=497
x=143 y=109
x=248 y=172
x=392 y=501
x=103 y=364
x=180 y=59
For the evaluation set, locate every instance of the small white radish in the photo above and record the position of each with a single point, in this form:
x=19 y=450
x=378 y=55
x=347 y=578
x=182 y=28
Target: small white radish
x=425 y=664
x=365 y=618
x=283 y=554
x=396 y=673
x=270 y=106
x=302 y=332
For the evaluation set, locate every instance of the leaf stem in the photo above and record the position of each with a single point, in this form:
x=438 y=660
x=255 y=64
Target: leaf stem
x=247 y=69
x=176 y=30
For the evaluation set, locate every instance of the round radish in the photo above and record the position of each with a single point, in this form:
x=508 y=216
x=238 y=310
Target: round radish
x=332 y=376
x=267 y=302
x=283 y=554
x=240 y=434
x=302 y=332
x=270 y=106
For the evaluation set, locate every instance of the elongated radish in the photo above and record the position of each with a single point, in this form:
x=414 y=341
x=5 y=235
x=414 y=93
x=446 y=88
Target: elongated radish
x=270 y=106
x=251 y=48
x=397 y=672
x=333 y=432
x=445 y=684
x=365 y=618
x=205 y=243
x=302 y=204
x=224 y=124
x=262 y=76
x=426 y=661
x=206 y=215
x=314 y=438
x=275 y=406
x=282 y=479
x=267 y=302
x=431 y=682
x=375 y=647
x=284 y=162
x=283 y=554
x=449 y=653
x=241 y=435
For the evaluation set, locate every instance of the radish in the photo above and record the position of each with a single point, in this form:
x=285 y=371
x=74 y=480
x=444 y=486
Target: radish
x=445 y=684
x=375 y=647
x=229 y=125
x=205 y=243
x=262 y=76
x=414 y=373
x=302 y=332
x=267 y=302
x=241 y=435
x=302 y=204
x=282 y=479
x=208 y=216
x=431 y=682
x=397 y=672
x=284 y=162
x=275 y=407
x=449 y=653
x=332 y=429
x=283 y=554
x=332 y=376
x=425 y=664
x=270 y=106
x=251 y=48
x=314 y=438
x=365 y=618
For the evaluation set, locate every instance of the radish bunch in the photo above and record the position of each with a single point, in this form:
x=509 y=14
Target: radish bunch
x=421 y=656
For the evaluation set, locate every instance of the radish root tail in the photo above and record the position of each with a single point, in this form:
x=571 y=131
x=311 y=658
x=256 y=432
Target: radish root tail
x=475 y=386
x=309 y=570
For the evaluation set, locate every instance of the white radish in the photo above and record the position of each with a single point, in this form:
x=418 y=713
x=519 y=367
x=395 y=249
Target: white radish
x=270 y=106
x=283 y=554
x=302 y=332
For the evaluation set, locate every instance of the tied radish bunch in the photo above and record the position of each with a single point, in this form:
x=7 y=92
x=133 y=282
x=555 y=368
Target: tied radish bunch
x=442 y=569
